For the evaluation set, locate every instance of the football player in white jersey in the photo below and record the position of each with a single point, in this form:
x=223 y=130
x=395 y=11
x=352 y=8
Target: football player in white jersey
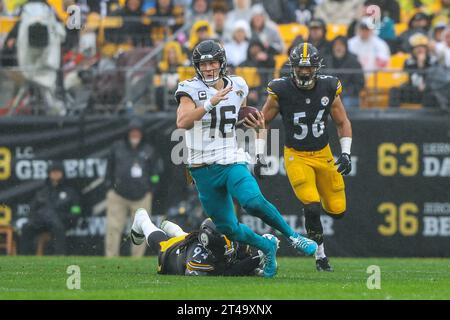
x=208 y=110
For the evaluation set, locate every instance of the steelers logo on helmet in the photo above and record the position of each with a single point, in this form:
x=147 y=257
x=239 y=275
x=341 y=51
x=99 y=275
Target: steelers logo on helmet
x=305 y=63
x=204 y=239
x=216 y=243
x=209 y=51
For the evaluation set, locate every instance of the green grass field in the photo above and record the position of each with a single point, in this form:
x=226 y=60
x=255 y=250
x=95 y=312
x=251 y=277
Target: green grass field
x=128 y=278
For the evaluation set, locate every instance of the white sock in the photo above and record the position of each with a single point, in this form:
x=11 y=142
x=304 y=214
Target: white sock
x=172 y=229
x=144 y=222
x=320 y=253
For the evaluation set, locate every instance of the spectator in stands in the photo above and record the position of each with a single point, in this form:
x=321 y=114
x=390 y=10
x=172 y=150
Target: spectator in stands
x=388 y=8
x=351 y=76
x=165 y=19
x=219 y=17
x=416 y=89
x=200 y=10
x=265 y=30
x=260 y=58
x=241 y=11
x=437 y=32
x=201 y=30
x=442 y=49
x=167 y=74
x=419 y=23
x=133 y=32
x=304 y=10
x=372 y=52
x=131 y=165
x=279 y=11
x=385 y=29
x=236 y=49
x=318 y=36
x=2 y=8
x=55 y=208
x=338 y=11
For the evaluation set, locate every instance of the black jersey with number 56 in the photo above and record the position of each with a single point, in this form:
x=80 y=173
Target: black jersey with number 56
x=305 y=112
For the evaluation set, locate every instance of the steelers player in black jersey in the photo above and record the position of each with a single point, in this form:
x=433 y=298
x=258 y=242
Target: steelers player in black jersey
x=305 y=99
x=200 y=253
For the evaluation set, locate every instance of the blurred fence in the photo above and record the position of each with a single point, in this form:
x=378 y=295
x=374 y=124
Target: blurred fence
x=104 y=86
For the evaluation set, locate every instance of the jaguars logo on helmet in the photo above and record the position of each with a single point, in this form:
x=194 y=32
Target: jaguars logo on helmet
x=305 y=62
x=209 y=50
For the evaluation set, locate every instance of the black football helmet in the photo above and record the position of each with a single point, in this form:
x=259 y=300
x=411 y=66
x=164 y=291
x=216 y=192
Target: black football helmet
x=216 y=243
x=209 y=50
x=305 y=55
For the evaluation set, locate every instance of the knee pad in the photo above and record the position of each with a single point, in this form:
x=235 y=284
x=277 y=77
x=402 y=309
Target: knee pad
x=336 y=209
x=336 y=216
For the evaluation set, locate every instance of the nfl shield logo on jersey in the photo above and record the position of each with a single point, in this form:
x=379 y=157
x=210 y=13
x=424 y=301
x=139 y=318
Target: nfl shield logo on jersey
x=325 y=101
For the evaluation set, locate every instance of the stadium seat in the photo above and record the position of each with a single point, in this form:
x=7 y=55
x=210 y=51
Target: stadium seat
x=400 y=28
x=290 y=31
x=397 y=60
x=6 y=24
x=8 y=243
x=250 y=75
x=334 y=30
x=280 y=60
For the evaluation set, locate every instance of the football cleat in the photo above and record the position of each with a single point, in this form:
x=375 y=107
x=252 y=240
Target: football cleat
x=270 y=258
x=137 y=235
x=323 y=264
x=304 y=245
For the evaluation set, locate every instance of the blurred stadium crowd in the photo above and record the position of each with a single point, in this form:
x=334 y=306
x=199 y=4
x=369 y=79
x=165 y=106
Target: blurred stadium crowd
x=130 y=54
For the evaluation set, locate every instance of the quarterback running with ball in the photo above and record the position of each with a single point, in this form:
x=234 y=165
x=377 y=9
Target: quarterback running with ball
x=208 y=110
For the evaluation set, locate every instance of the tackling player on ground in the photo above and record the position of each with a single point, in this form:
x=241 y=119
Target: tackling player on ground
x=199 y=253
x=208 y=109
x=304 y=100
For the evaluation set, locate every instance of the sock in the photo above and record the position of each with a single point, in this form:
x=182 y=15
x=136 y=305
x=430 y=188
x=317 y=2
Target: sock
x=313 y=224
x=148 y=228
x=155 y=238
x=172 y=229
x=320 y=253
x=263 y=209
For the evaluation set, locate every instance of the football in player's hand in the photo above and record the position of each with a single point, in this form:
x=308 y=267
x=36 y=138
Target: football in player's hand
x=244 y=112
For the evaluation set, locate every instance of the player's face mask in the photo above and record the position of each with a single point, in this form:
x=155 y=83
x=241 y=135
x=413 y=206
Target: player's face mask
x=210 y=72
x=305 y=77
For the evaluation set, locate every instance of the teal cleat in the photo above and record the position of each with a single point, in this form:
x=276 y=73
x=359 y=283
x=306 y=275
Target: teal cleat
x=270 y=258
x=304 y=245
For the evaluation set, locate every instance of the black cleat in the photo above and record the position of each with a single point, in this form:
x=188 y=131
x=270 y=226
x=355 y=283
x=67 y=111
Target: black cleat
x=323 y=264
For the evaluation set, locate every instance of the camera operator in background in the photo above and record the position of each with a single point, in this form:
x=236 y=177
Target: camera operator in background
x=54 y=209
x=38 y=37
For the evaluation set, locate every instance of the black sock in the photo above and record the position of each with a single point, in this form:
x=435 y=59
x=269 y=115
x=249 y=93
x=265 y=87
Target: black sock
x=313 y=224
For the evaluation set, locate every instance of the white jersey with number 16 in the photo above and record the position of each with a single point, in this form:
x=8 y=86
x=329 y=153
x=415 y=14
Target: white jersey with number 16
x=213 y=139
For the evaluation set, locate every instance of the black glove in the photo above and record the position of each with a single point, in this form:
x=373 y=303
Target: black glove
x=345 y=164
x=260 y=163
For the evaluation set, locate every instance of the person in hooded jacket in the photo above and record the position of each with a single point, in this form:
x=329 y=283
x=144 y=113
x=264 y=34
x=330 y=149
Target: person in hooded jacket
x=352 y=78
x=55 y=208
x=130 y=177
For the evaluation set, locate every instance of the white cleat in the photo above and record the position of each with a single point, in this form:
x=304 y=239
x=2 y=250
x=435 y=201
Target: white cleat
x=136 y=234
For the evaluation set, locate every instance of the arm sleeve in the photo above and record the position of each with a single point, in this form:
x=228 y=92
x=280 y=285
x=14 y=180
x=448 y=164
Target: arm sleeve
x=272 y=88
